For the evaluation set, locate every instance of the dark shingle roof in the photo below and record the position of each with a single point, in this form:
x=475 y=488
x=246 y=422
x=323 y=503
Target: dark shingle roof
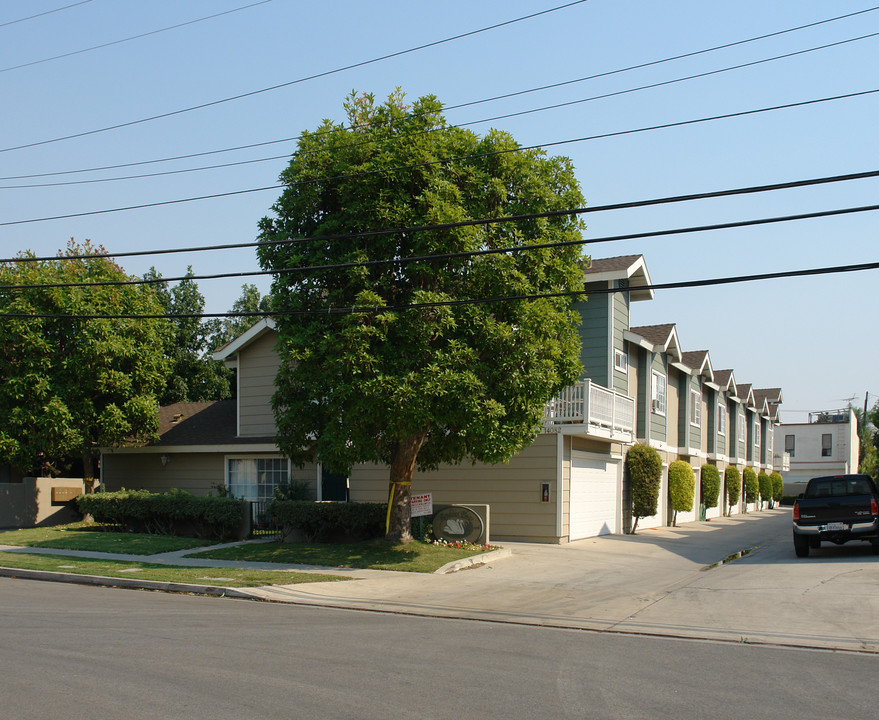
x=656 y=334
x=620 y=262
x=694 y=358
x=202 y=423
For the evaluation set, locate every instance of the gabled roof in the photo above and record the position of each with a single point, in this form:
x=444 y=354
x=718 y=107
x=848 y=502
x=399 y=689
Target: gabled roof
x=768 y=399
x=745 y=394
x=772 y=395
x=657 y=337
x=231 y=349
x=622 y=267
x=726 y=380
x=699 y=361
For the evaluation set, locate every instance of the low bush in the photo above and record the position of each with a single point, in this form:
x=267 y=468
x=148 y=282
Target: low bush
x=733 y=479
x=681 y=487
x=709 y=477
x=328 y=521
x=752 y=486
x=644 y=467
x=173 y=513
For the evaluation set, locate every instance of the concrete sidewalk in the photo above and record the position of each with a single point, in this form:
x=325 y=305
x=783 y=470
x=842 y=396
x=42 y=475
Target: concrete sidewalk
x=668 y=581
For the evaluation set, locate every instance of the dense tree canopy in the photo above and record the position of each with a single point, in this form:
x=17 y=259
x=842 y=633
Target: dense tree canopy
x=406 y=380
x=71 y=385
x=194 y=375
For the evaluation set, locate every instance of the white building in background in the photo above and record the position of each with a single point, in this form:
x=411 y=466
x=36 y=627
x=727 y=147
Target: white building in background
x=826 y=445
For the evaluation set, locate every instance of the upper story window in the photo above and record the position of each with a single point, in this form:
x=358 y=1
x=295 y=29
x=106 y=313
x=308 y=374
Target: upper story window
x=659 y=393
x=721 y=420
x=620 y=361
x=826 y=445
x=741 y=427
x=757 y=434
x=696 y=408
x=790 y=444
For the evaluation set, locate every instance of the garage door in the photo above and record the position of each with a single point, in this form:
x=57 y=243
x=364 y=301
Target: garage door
x=595 y=497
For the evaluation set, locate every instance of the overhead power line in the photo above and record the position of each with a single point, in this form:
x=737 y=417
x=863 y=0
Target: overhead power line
x=557 y=143
x=47 y=12
x=325 y=73
x=133 y=37
x=505 y=116
x=446 y=256
x=708 y=282
x=451 y=107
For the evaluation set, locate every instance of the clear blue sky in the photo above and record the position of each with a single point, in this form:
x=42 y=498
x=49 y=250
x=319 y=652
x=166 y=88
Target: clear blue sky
x=815 y=338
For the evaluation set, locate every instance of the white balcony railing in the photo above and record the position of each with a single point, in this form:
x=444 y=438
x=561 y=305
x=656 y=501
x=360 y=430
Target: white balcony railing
x=605 y=413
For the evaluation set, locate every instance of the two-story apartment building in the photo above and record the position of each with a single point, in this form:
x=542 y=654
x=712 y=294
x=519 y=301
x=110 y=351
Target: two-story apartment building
x=827 y=444
x=568 y=484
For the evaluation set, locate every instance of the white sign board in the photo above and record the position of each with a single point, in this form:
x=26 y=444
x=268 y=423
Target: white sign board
x=421 y=505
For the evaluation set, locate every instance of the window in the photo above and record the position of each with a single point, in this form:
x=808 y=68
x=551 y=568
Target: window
x=620 y=361
x=790 y=444
x=757 y=434
x=721 y=420
x=659 y=386
x=256 y=478
x=741 y=427
x=826 y=445
x=695 y=408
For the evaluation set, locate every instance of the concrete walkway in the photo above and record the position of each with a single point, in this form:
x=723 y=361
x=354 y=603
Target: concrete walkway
x=668 y=581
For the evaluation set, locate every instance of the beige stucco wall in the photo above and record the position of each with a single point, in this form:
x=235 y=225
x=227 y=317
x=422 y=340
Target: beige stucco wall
x=257 y=367
x=29 y=503
x=512 y=490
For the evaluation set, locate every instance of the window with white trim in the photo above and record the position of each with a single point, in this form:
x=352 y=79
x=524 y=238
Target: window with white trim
x=659 y=393
x=827 y=445
x=695 y=408
x=757 y=435
x=741 y=427
x=721 y=420
x=255 y=478
x=790 y=444
x=620 y=361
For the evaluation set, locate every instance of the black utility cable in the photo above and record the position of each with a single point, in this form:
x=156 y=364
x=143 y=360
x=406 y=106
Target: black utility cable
x=133 y=37
x=292 y=82
x=446 y=256
x=47 y=12
x=506 y=116
x=449 y=107
x=729 y=280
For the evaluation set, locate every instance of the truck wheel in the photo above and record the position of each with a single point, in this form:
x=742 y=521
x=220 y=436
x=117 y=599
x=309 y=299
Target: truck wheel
x=801 y=545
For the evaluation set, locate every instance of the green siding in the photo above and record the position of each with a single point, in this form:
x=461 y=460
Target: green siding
x=711 y=420
x=643 y=392
x=684 y=411
x=658 y=423
x=594 y=336
x=695 y=432
x=620 y=325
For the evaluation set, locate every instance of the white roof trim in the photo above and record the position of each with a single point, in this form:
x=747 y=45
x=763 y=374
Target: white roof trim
x=637 y=275
x=247 y=337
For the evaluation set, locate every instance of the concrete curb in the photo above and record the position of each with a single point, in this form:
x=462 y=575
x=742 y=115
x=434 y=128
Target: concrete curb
x=474 y=561
x=131 y=584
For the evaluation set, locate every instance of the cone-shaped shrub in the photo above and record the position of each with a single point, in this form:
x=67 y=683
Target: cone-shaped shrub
x=645 y=474
x=752 y=486
x=681 y=487
x=733 y=479
x=764 y=483
x=777 y=485
x=709 y=476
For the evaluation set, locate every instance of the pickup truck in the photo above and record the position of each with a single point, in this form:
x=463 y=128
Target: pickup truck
x=836 y=508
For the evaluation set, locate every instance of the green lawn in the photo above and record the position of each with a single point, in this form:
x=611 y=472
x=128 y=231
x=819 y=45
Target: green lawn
x=222 y=577
x=373 y=554
x=89 y=536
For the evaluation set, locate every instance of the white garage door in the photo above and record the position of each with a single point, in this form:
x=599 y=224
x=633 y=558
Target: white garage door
x=595 y=497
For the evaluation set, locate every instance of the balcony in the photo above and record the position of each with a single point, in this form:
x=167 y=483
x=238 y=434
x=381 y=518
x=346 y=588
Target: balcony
x=593 y=410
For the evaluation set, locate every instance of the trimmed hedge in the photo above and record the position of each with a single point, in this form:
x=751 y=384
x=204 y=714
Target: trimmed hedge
x=645 y=474
x=777 y=485
x=733 y=479
x=709 y=477
x=681 y=488
x=328 y=521
x=752 y=485
x=764 y=483
x=173 y=513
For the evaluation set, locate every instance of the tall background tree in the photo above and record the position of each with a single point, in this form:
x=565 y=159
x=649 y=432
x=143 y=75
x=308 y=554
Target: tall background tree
x=72 y=385
x=194 y=375
x=405 y=379
x=251 y=306
x=868 y=452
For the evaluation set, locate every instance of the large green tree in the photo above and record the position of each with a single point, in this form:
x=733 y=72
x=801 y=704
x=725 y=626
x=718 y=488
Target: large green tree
x=222 y=331
x=72 y=385
x=405 y=379
x=193 y=375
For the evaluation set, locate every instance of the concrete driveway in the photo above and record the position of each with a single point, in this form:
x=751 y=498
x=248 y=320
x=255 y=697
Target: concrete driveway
x=659 y=582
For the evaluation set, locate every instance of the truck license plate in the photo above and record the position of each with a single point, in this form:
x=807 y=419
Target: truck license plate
x=832 y=527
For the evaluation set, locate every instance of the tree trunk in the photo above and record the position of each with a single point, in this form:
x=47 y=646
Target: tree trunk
x=402 y=466
x=88 y=472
